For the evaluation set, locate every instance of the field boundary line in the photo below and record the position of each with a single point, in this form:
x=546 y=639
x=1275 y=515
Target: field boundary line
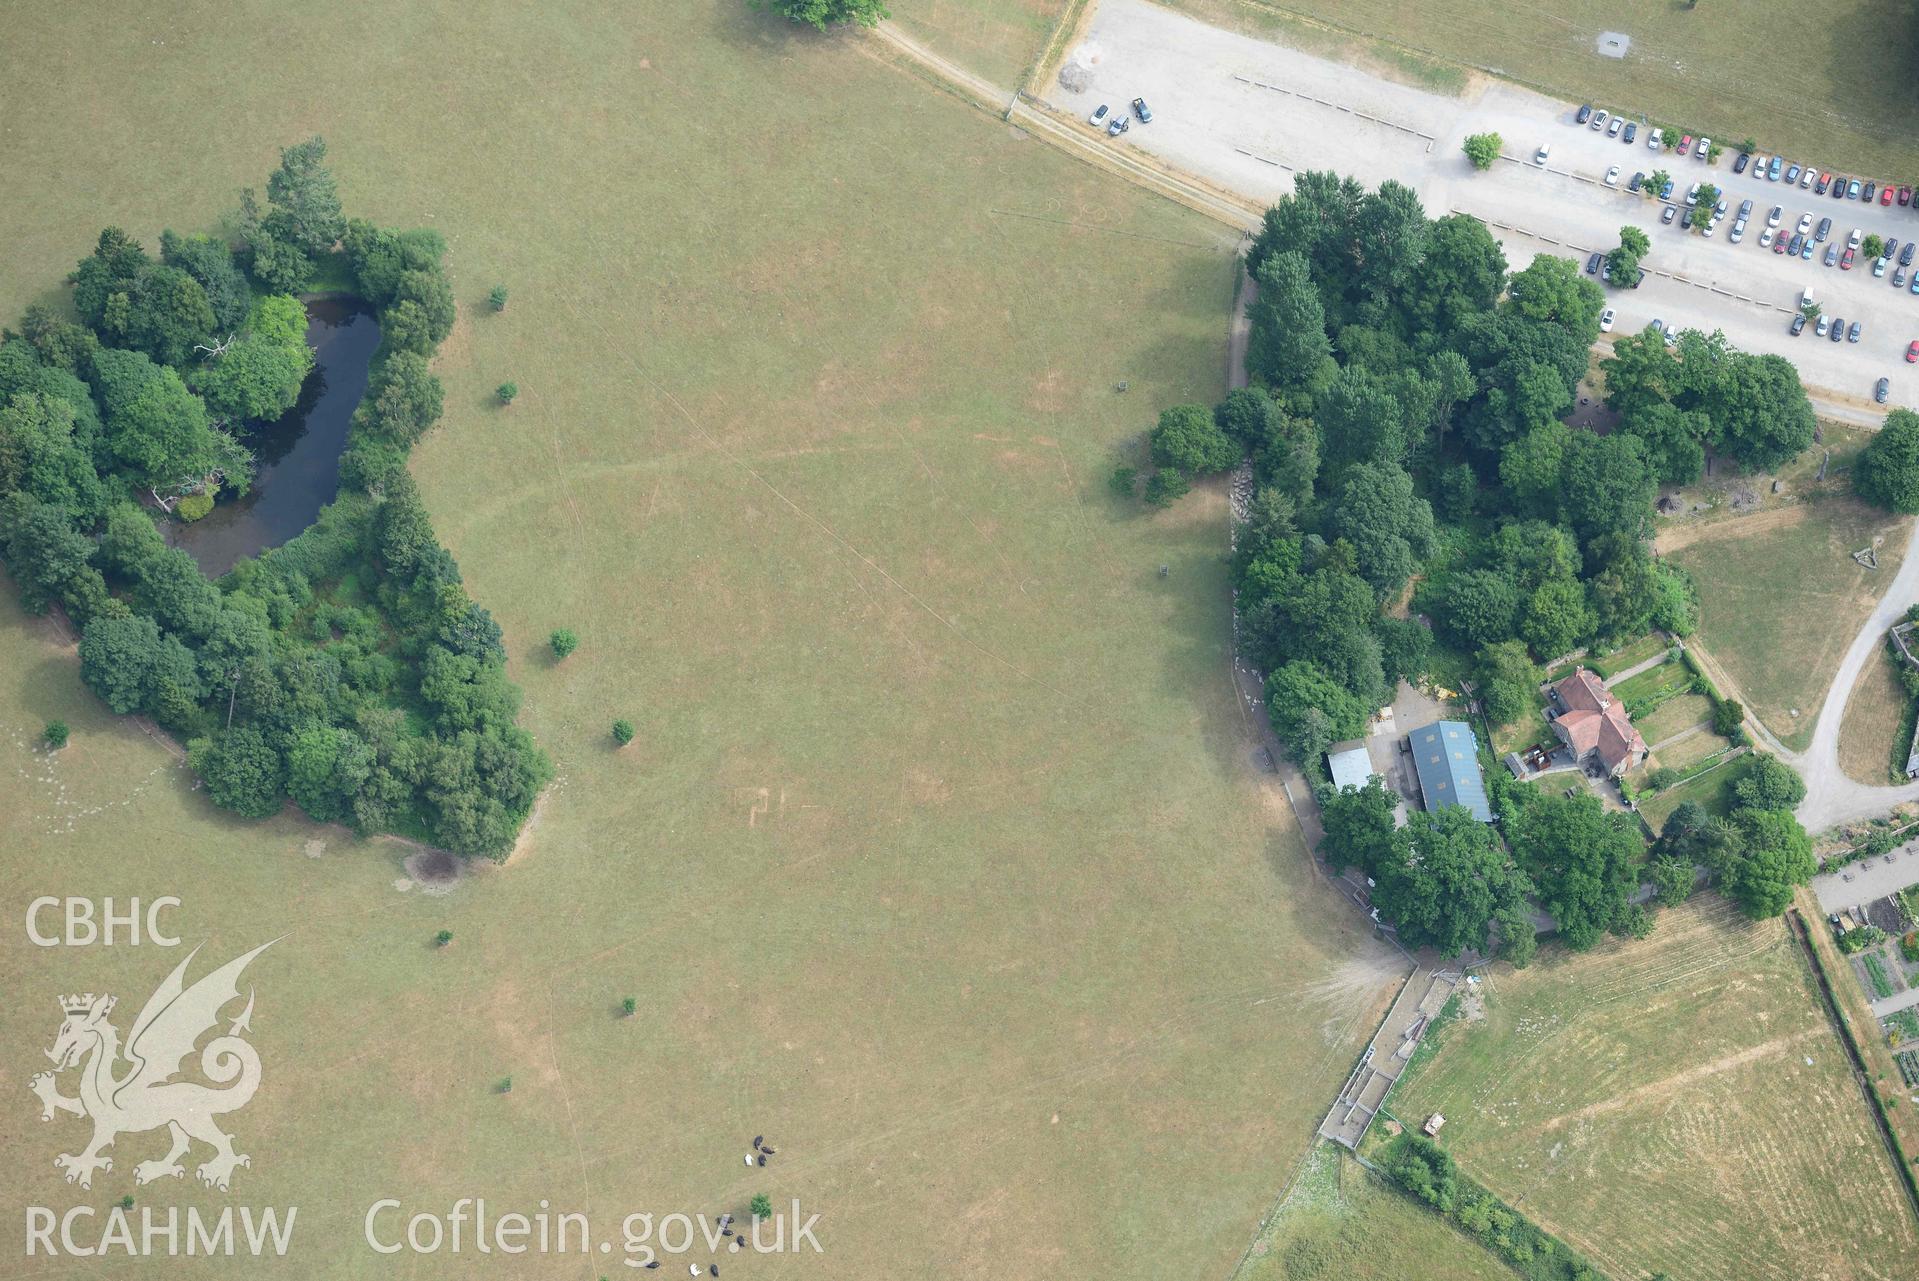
x=1861 y=1075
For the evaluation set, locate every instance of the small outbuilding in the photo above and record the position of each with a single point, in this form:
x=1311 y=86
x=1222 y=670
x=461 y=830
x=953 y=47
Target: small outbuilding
x=1348 y=764
x=1432 y=1125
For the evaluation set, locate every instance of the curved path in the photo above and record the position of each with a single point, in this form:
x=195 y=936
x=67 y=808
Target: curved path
x=1831 y=797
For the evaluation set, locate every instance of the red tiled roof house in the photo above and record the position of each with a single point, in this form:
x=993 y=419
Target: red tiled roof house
x=1593 y=725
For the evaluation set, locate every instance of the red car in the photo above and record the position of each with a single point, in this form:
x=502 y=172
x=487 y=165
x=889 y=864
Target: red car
x=1905 y=195
x=1685 y=144
x=1779 y=242
x=1912 y=352
x=1845 y=260
x=1885 y=194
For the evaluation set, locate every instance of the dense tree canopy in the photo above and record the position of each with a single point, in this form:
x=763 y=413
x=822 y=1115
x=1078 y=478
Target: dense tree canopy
x=821 y=14
x=347 y=670
x=1887 y=473
x=1580 y=857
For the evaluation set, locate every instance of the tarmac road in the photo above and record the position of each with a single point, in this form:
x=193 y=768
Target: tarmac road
x=1245 y=115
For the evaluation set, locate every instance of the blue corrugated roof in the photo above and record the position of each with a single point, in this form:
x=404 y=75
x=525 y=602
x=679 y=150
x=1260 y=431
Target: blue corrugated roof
x=1446 y=758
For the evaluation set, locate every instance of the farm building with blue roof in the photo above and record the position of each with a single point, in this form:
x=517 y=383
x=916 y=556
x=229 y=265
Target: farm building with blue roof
x=1446 y=760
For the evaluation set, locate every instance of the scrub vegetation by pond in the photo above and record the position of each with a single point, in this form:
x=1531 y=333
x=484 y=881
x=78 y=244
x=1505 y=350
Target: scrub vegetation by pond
x=296 y=459
x=345 y=667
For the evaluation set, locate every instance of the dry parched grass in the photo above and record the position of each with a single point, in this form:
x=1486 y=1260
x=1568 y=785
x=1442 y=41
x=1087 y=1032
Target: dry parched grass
x=1688 y=1086
x=1869 y=736
x=1780 y=600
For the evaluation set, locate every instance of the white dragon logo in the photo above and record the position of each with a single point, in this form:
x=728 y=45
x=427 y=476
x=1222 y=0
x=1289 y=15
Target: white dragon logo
x=146 y=1096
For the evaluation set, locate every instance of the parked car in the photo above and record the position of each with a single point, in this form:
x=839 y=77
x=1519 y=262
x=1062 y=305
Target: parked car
x=1898 y=277
x=1798 y=325
x=1539 y=157
x=1847 y=258
x=1669 y=213
x=1665 y=190
x=1656 y=139
x=1612 y=130
x=1712 y=225
x=1879 y=392
x=1852 y=332
x=1824 y=229
x=1779 y=241
x=1638 y=181
x=1592 y=264
x=1912 y=352
x=1632 y=131
x=1606 y=319
x=1772 y=170
x=1838 y=188
x=1866 y=195
x=1685 y=221
x=1585 y=114
x=1805 y=178
x=1905 y=255
x=1819 y=330
x=1825 y=180
x=1892 y=247
x=1852 y=189
x=1838 y=333
x=1738 y=230
x=1914 y=286
x=1745 y=209
x=1719 y=210
x=1794 y=245
x=1766 y=236
x=1805 y=224
x=1099 y=115
x=1119 y=126
x=1792 y=173
x=1685 y=144
x=1905 y=194
x=1832 y=255
x=1885 y=195
x=1692 y=195
x=1774 y=214
x=1740 y=161
x=1879 y=268
x=1144 y=112
x=1599 y=119
x=1852 y=240
x=1806 y=250
x=1702 y=150
x=1612 y=176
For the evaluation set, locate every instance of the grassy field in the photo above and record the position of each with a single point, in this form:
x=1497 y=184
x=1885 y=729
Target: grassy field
x=1869 y=736
x=938 y=858
x=1687 y=1085
x=1712 y=789
x=1841 y=101
x=1674 y=715
x=1630 y=655
x=1781 y=597
x=1652 y=682
x=998 y=39
x=1340 y=1221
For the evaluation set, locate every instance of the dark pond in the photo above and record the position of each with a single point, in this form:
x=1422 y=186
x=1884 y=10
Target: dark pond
x=298 y=467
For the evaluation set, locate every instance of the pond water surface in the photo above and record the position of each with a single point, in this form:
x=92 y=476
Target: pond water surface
x=297 y=469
